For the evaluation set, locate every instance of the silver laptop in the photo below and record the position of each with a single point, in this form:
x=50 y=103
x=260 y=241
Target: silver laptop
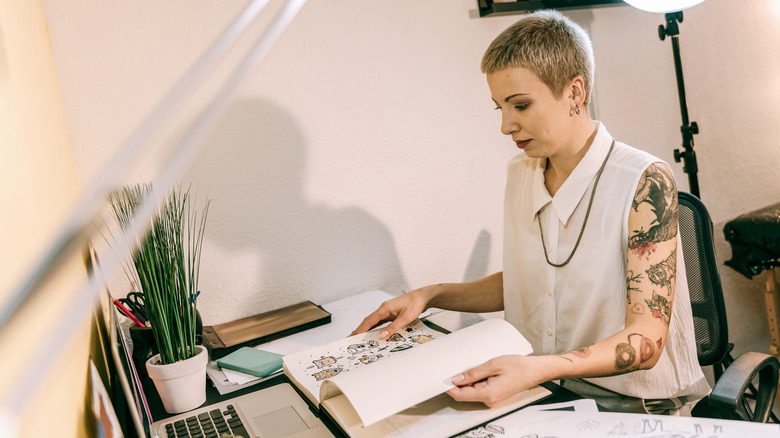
x=274 y=412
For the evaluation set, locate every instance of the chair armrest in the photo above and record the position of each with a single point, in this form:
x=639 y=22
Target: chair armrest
x=730 y=389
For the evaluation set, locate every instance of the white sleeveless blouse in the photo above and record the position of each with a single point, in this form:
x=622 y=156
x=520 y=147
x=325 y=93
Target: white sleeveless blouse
x=561 y=309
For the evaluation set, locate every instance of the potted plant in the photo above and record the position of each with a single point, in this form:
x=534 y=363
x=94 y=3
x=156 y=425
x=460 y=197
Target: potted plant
x=165 y=267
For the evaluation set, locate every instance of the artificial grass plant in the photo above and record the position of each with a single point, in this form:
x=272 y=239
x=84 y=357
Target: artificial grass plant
x=166 y=259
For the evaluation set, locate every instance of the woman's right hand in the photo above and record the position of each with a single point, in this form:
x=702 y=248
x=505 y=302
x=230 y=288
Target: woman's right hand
x=400 y=311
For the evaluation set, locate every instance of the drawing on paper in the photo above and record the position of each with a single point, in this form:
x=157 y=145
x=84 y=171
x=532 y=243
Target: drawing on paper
x=324 y=361
x=348 y=354
x=401 y=347
x=588 y=425
x=359 y=348
x=367 y=359
x=421 y=339
x=486 y=431
x=327 y=374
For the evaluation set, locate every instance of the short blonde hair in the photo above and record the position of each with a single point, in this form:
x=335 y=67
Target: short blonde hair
x=549 y=44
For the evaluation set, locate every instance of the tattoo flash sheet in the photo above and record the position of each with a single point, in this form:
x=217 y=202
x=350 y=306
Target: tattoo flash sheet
x=312 y=366
x=369 y=400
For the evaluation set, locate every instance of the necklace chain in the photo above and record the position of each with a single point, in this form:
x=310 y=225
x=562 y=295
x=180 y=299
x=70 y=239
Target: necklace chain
x=587 y=214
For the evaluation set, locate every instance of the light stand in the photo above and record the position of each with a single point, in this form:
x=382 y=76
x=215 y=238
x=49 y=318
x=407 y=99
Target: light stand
x=688 y=129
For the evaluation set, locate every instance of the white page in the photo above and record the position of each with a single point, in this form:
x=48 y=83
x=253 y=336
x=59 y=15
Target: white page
x=349 y=355
x=403 y=380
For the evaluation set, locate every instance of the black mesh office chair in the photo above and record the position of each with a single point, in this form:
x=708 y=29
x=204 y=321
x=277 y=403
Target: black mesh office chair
x=734 y=394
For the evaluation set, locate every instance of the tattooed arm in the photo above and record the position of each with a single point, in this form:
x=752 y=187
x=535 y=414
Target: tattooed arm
x=650 y=281
x=651 y=266
x=651 y=270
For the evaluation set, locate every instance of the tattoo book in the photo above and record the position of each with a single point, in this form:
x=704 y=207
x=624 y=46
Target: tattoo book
x=397 y=387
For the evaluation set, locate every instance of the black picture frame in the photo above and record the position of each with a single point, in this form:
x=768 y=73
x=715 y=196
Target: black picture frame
x=489 y=7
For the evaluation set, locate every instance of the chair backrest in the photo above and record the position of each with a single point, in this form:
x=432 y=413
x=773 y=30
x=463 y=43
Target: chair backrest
x=701 y=268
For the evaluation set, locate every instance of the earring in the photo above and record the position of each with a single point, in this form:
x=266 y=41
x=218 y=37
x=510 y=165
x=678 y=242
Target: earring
x=577 y=109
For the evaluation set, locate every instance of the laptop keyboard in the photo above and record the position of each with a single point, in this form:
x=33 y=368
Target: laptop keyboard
x=212 y=424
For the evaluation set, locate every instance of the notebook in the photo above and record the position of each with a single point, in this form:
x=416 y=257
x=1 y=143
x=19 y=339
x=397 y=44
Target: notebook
x=259 y=363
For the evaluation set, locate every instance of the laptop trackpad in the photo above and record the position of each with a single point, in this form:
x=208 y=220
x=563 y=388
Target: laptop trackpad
x=279 y=423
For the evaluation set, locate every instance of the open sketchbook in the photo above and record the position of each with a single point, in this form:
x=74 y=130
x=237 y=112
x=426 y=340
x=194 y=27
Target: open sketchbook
x=396 y=387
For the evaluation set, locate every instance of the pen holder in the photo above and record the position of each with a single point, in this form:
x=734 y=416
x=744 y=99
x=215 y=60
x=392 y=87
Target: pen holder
x=144 y=347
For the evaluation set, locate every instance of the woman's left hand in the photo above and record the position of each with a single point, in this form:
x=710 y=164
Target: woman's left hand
x=497 y=379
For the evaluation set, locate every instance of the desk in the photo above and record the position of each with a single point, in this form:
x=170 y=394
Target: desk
x=582 y=425
x=559 y=395
x=449 y=319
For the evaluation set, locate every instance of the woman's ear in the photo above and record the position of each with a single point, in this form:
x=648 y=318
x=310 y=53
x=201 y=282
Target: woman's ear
x=577 y=91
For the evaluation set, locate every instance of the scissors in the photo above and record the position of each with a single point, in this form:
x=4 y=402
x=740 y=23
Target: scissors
x=134 y=301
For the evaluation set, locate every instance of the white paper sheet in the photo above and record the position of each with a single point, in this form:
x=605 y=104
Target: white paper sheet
x=595 y=425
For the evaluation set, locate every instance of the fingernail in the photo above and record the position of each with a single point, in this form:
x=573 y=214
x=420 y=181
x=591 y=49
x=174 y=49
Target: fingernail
x=457 y=378
x=383 y=334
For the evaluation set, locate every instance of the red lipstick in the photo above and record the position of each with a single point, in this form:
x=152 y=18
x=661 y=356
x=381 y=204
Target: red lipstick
x=522 y=144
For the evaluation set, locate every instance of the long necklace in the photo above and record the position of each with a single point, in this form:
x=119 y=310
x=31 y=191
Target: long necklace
x=587 y=213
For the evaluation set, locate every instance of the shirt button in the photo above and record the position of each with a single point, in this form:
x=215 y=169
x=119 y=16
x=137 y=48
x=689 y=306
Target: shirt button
x=549 y=332
x=549 y=293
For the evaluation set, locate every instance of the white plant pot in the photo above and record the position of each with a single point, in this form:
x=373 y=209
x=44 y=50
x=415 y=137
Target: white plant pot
x=181 y=385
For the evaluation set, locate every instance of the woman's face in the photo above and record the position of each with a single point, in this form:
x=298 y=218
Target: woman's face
x=538 y=121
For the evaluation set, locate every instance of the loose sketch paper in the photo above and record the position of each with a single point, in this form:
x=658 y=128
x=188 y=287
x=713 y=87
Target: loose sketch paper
x=592 y=425
x=425 y=371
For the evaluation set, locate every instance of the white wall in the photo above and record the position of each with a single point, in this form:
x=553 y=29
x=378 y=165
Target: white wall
x=364 y=152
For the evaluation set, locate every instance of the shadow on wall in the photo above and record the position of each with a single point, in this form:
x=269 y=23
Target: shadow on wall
x=253 y=166
x=479 y=258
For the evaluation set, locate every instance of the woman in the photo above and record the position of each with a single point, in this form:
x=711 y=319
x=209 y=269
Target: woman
x=593 y=273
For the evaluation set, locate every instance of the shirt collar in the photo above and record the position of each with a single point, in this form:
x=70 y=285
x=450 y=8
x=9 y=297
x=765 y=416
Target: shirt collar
x=573 y=189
